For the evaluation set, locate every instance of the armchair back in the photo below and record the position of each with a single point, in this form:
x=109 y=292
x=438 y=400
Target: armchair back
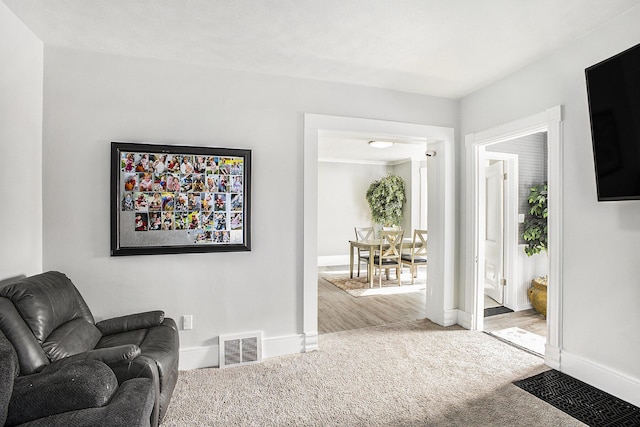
x=46 y=301
x=55 y=314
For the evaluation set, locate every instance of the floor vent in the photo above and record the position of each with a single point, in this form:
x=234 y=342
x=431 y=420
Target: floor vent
x=580 y=400
x=240 y=349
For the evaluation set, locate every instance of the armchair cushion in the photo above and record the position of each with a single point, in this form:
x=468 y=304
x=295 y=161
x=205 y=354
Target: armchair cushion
x=8 y=371
x=130 y=406
x=73 y=337
x=131 y=322
x=70 y=388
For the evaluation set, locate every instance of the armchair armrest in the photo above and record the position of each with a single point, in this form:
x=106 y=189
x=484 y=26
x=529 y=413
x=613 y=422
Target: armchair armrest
x=130 y=322
x=80 y=385
x=108 y=355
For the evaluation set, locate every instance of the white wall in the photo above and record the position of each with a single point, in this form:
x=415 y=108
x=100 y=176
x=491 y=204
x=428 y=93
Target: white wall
x=405 y=171
x=342 y=205
x=21 y=56
x=600 y=283
x=532 y=166
x=91 y=99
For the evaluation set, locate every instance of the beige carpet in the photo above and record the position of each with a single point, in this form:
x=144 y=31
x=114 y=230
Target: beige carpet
x=359 y=286
x=406 y=374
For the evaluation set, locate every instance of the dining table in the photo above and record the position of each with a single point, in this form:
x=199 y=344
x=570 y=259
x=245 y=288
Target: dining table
x=371 y=245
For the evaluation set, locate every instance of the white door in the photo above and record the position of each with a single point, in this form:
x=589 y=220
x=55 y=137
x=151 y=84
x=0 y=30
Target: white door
x=494 y=231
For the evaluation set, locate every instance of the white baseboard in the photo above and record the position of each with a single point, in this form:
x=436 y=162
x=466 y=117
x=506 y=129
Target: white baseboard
x=465 y=319
x=520 y=307
x=311 y=342
x=198 y=357
x=606 y=379
x=446 y=318
x=325 y=261
x=206 y=357
x=451 y=317
x=552 y=357
x=280 y=346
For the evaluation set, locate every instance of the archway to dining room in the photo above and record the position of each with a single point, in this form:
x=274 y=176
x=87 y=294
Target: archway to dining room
x=347 y=165
x=439 y=304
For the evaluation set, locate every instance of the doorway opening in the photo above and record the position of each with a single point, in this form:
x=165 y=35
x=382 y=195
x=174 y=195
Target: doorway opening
x=347 y=165
x=479 y=231
x=440 y=304
x=511 y=169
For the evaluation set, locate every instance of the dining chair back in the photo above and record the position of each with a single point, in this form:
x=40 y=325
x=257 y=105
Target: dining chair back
x=389 y=228
x=417 y=255
x=389 y=255
x=363 y=233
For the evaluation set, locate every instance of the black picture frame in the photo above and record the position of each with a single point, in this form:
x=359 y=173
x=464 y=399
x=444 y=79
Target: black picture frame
x=170 y=199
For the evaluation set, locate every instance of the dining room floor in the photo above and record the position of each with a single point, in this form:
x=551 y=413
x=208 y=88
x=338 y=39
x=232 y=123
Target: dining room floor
x=339 y=311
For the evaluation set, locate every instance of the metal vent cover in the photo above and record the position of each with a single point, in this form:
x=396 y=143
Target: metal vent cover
x=240 y=349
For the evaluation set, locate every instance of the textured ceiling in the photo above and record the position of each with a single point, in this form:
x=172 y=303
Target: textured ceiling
x=443 y=48
x=446 y=48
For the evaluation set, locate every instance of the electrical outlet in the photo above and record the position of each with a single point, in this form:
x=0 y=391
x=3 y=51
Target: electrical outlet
x=187 y=321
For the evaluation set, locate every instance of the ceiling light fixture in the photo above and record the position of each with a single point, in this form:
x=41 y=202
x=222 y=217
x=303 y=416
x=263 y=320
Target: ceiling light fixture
x=380 y=144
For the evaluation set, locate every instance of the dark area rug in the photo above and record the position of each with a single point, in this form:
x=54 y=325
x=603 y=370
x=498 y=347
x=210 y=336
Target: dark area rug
x=496 y=310
x=580 y=400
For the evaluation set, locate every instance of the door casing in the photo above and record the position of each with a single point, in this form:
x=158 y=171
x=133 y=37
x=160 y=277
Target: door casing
x=549 y=121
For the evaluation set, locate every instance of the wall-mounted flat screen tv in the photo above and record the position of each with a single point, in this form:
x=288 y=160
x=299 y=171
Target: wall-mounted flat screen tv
x=613 y=88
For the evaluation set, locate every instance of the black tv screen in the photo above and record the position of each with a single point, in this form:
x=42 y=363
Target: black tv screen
x=613 y=88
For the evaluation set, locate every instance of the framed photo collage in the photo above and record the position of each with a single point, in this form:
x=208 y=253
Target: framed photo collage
x=173 y=199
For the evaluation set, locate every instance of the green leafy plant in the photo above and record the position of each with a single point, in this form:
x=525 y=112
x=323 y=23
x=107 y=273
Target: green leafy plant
x=535 y=225
x=386 y=199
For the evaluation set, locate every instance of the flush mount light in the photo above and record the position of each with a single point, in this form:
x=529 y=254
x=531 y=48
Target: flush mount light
x=380 y=144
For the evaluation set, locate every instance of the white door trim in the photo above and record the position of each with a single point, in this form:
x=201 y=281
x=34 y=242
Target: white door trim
x=549 y=121
x=441 y=215
x=424 y=203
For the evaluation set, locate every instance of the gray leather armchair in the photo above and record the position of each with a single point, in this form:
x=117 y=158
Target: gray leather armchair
x=48 y=322
x=82 y=393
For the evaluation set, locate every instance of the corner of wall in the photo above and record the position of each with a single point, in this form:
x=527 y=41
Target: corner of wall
x=21 y=106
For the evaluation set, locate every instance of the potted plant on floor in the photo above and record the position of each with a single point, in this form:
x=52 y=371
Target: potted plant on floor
x=386 y=199
x=535 y=234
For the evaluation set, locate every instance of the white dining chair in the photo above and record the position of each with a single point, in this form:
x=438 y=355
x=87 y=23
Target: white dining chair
x=363 y=233
x=389 y=255
x=417 y=255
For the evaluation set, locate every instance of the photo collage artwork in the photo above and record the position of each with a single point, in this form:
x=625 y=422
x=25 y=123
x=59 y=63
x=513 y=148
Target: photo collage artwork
x=199 y=195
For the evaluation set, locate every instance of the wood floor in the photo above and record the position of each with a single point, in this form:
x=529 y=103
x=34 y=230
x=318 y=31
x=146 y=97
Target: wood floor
x=529 y=320
x=339 y=311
